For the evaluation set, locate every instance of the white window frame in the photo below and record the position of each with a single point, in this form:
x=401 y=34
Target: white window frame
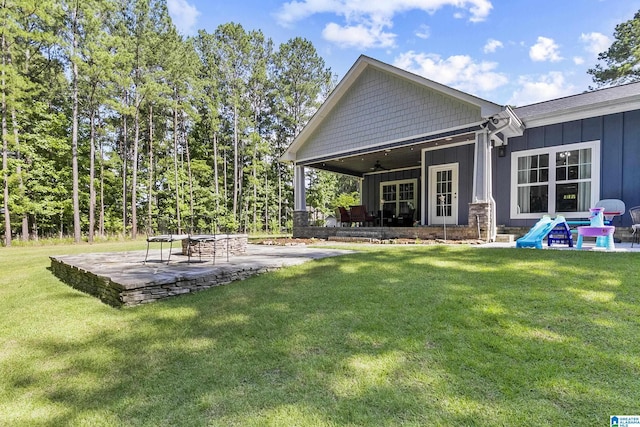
x=413 y=181
x=552 y=151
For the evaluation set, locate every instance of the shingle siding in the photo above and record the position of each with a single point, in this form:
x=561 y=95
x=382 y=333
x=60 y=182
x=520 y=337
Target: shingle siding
x=380 y=107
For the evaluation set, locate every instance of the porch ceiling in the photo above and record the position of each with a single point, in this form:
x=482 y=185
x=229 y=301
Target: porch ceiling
x=386 y=158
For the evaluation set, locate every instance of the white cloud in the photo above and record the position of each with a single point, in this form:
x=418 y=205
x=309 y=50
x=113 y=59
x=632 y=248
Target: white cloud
x=545 y=49
x=595 y=42
x=545 y=87
x=578 y=60
x=359 y=36
x=459 y=71
x=183 y=14
x=424 y=32
x=492 y=45
x=371 y=17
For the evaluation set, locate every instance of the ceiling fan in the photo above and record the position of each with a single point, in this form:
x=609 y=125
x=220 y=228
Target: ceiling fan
x=378 y=167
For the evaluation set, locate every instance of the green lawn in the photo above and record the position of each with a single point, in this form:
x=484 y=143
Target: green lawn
x=394 y=335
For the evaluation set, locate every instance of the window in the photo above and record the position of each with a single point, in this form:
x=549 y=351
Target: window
x=399 y=197
x=555 y=180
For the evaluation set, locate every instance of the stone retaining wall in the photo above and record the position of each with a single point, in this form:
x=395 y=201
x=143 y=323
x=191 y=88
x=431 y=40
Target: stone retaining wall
x=454 y=232
x=85 y=281
x=119 y=295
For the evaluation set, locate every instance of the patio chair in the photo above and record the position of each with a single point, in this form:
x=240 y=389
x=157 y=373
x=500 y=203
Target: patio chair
x=635 y=224
x=612 y=208
x=344 y=217
x=360 y=216
x=163 y=237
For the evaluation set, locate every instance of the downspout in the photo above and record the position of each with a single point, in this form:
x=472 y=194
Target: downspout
x=493 y=226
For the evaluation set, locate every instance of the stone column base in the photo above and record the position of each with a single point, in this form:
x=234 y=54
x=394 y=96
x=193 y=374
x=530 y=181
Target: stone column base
x=300 y=220
x=480 y=214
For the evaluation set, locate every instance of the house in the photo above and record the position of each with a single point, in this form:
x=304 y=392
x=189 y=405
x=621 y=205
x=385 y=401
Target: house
x=440 y=156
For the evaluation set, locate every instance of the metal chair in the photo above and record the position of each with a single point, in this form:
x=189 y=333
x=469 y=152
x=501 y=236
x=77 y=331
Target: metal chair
x=635 y=224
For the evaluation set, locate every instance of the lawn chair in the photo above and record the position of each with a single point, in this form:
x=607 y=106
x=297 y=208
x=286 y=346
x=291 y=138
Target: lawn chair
x=162 y=238
x=635 y=224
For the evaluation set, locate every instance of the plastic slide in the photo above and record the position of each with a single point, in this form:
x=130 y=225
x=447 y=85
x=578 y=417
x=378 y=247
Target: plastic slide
x=533 y=239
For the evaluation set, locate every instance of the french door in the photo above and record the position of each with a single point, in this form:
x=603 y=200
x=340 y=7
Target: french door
x=443 y=194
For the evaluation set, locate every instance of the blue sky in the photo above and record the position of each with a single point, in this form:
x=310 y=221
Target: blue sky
x=513 y=52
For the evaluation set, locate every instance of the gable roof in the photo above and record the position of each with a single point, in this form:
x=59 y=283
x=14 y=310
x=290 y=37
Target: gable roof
x=487 y=108
x=600 y=102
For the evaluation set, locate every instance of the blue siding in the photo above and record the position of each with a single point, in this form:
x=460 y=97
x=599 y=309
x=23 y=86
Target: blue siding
x=630 y=156
x=619 y=163
x=463 y=155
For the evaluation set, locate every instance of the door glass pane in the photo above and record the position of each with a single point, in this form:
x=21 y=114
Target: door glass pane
x=444 y=195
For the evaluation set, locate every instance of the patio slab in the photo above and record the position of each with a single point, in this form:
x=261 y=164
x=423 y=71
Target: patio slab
x=124 y=279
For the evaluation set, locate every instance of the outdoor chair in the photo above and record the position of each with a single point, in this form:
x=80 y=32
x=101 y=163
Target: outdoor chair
x=163 y=237
x=360 y=216
x=612 y=208
x=344 y=217
x=635 y=224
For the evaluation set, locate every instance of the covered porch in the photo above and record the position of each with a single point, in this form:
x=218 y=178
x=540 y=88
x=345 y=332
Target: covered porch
x=422 y=153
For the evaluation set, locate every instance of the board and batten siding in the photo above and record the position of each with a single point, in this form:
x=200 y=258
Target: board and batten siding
x=380 y=107
x=619 y=135
x=462 y=154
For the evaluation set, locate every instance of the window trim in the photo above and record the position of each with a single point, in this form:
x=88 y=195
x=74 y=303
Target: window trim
x=397 y=182
x=551 y=151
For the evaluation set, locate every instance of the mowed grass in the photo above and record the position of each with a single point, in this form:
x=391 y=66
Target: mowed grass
x=413 y=335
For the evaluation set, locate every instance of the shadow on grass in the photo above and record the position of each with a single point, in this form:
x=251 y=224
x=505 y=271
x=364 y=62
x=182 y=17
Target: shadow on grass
x=422 y=336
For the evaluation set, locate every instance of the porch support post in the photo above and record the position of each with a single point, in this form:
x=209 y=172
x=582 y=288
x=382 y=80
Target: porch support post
x=482 y=207
x=300 y=217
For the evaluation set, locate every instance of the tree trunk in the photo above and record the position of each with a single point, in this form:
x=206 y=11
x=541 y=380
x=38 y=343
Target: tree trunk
x=235 y=162
x=5 y=150
x=215 y=171
x=175 y=164
x=190 y=178
x=150 y=195
x=74 y=129
x=134 y=169
x=266 y=201
x=92 y=173
x=255 y=188
x=16 y=141
x=101 y=220
x=125 y=153
x=279 y=197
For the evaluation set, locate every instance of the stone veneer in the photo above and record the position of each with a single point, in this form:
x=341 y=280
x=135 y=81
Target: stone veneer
x=480 y=214
x=454 y=232
x=219 y=245
x=131 y=294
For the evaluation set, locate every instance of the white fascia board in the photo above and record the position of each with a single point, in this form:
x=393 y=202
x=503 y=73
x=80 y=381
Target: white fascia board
x=584 y=112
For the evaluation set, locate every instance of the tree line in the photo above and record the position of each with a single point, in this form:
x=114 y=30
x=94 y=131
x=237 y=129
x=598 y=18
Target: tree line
x=111 y=121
